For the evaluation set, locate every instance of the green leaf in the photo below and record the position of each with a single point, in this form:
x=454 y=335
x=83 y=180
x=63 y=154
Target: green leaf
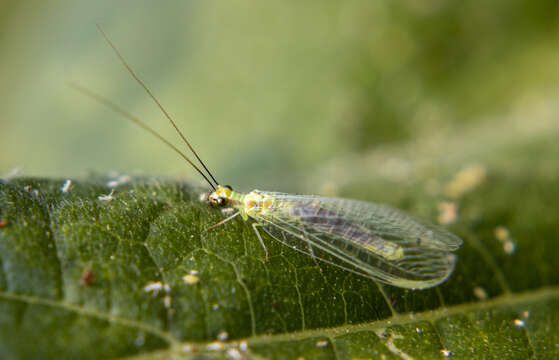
x=80 y=271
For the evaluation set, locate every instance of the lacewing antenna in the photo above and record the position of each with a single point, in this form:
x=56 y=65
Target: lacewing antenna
x=106 y=102
x=139 y=81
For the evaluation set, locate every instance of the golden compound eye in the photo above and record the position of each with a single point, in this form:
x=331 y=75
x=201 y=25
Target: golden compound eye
x=214 y=200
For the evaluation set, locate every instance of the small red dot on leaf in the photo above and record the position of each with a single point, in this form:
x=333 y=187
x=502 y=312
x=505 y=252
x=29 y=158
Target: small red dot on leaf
x=87 y=277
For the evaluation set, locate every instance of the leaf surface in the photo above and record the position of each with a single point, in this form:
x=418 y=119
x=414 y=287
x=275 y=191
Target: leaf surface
x=96 y=273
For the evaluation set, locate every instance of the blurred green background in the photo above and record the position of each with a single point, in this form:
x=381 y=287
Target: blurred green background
x=290 y=96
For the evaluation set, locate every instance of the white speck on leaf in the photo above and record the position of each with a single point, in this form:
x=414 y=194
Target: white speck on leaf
x=222 y=336
x=321 y=343
x=214 y=346
x=501 y=233
x=509 y=247
x=465 y=180
x=446 y=352
x=480 y=293
x=66 y=186
x=234 y=353
x=448 y=212
x=156 y=286
x=107 y=197
x=191 y=279
x=167 y=301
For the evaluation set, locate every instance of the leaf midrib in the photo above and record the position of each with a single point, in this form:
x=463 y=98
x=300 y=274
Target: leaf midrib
x=431 y=315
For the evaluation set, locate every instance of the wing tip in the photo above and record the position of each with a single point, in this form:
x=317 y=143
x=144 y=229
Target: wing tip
x=427 y=283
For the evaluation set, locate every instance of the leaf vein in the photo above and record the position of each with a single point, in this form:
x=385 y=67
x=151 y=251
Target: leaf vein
x=31 y=300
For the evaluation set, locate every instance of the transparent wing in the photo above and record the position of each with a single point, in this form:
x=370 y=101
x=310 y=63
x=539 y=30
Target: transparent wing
x=372 y=240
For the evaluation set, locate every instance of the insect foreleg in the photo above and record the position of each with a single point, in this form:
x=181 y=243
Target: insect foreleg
x=223 y=221
x=255 y=227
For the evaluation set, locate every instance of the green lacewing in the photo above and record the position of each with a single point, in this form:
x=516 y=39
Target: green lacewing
x=369 y=239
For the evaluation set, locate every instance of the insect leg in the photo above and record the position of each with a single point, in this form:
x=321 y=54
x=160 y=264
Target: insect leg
x=311 y=251
x=223 y=221
x=255 y=227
